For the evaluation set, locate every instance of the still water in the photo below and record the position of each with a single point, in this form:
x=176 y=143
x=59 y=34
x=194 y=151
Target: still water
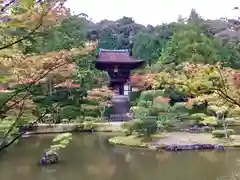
x=90 y=157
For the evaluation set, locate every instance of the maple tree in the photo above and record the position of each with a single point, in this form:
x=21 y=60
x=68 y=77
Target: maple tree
x=23 y=21
x=199 y=80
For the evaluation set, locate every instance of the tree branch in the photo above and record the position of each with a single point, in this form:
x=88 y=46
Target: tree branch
x=29 y=34
x=15 y=122
x=22 y=133
x=27 y=88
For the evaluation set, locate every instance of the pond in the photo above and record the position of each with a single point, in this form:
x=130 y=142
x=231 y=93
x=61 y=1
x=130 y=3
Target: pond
x=90 y=157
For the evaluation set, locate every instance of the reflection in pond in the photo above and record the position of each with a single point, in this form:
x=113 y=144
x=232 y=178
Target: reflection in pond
x=128 y=157
x=102 y=169
x=209 y=155
x=163 y=156
x=90 y=157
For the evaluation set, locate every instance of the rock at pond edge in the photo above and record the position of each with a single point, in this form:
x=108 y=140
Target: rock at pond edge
x=49 y=157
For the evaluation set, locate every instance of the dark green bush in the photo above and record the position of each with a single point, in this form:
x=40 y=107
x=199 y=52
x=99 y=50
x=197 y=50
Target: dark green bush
x=92 y=119
x=127 y=132
x=147 y=95
x=175 y=96
x=180 y=106
x=86 y=127
x=159 y=92
x=134 y=96
x=198 y=117
x=108 y=111
x=128 y=127
x=221 y=133
x=89 y=126
x=70 y=112
x=145 y=127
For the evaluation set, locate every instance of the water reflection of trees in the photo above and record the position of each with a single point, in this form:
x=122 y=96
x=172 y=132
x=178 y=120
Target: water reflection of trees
x=103 y=168
x=91 y=157
x=167 y=165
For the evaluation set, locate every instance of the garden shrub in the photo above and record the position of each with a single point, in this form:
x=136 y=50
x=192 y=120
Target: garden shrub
x=126 y=132
x=92 y=119
x=175 y=95
x=143 y=103
x=212 y=110
x=128 y=127
x=181 y=112
x=134 y=96
x=5 y=96
x=79 y=127
x=180 y=106
x=145 y=127
x=234 y=112
x=210 y=120
x=159 y=92
x=70 y=112
x=151 y=116
x=89 y=126
x=92 y=113
x=108 y=111
x=86 y=127
x=198 y=117
x=221 y=133
x=147 y=95
x=151 y=94
x=139 y=111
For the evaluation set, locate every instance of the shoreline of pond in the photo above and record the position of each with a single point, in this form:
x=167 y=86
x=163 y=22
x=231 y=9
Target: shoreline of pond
x=178 y=140
x=158 y=141
x=75 y=127
x=42 y=128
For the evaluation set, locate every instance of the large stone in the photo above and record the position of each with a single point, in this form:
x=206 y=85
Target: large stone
x=49 y=157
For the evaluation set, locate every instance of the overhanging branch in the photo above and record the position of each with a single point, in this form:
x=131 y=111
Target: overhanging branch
x=22 y=133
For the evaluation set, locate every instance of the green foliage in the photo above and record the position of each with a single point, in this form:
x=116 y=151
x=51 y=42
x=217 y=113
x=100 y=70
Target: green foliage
x=139 y=111
x=93 y=119
x=128 y=127
x=69 y=34
x=127 y=132
x=210 y=120
x=70 y=112
x=147 y=47
x=145 y=127
x=221 y=133
x=175 y=95
x=198 y=116
x=87 y=127
x=213 y=109
x=149 y=95
x=134 y=96
x=180 y=106
x=151 y=114
x=234 y=112
x=189 y=43
x=60 y=141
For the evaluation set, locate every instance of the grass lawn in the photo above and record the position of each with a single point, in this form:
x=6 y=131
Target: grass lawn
x=134 y=140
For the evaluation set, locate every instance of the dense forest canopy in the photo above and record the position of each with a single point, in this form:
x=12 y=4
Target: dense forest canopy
x=220 y=36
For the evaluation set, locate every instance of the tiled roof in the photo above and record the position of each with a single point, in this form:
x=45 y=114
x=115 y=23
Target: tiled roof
x=115 y=56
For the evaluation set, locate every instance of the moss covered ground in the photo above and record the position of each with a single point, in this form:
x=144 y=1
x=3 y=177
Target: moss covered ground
x=174 y=138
